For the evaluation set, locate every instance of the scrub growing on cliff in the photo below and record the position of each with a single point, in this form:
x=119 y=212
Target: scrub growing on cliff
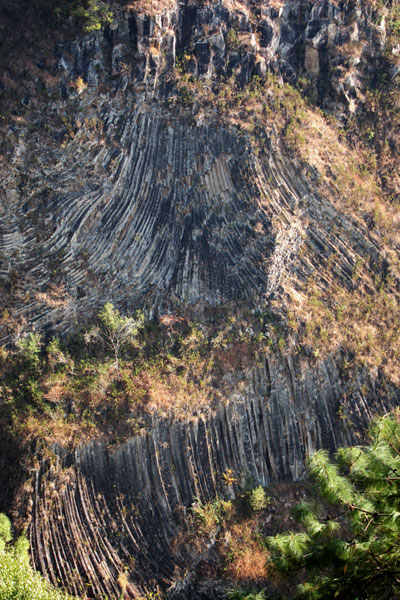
x=18 y=581
x=91 y=14
x=117 y=331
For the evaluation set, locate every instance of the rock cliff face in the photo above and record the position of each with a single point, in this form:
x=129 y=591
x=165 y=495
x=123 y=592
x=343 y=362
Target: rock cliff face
x=141 y=199
x=136 y=202
x=98 y=512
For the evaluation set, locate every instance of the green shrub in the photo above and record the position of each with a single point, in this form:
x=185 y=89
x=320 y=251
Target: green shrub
x=258 y=499
x=212 y=514
x=232 y=39
x=30 y=348
x=239 y=594
x=5 y=530
x=92 y=14
x=18 y=580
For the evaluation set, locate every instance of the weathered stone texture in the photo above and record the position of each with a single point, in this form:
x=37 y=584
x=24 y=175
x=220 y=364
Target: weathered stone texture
x=96 y=508
x=135 y=203
x=144 y=205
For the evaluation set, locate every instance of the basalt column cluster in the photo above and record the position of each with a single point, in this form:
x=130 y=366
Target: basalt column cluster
x=139 y=199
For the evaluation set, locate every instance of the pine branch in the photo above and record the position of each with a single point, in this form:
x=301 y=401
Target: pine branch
x=368 y=512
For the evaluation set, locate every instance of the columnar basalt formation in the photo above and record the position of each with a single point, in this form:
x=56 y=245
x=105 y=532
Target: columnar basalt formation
x=139 y=203
x=98 y=511
x=145 y=201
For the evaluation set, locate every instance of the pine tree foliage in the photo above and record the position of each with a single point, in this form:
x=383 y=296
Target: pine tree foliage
x=238 y=594
x=352 y=550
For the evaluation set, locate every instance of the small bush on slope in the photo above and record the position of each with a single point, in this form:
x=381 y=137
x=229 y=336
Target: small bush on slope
x=18 y=580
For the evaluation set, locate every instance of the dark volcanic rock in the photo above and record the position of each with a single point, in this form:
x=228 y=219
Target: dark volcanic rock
x=97 y=508
x=142 y=204
x=140 y=201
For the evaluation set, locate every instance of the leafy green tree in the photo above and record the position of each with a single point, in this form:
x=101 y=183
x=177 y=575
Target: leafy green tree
x=351 y=550
x=18 y=581
x=118 y=331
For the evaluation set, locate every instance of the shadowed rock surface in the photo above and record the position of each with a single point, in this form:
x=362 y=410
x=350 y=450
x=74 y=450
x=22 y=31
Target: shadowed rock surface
x=97 y=508
x=138 y=200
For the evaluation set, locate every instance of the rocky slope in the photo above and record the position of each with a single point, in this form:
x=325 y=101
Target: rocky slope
x=118 y=185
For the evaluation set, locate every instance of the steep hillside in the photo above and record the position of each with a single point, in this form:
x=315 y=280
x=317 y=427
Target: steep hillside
x=230 y=169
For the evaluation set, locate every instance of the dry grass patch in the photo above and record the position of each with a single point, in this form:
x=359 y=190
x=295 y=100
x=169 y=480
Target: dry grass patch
x=246 y=557
x=55 y=296
x=365 y=321
x=237 y=6
x=346 y=175
x=151 y=7
x=181 y=389
x=57 y=429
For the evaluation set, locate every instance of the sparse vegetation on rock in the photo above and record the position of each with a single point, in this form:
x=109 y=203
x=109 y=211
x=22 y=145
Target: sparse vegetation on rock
x=231 y=168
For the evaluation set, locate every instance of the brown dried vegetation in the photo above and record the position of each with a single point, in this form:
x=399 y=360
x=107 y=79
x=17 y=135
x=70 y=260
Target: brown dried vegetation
x=246 y=558
x=353 y=167
x=151 y=7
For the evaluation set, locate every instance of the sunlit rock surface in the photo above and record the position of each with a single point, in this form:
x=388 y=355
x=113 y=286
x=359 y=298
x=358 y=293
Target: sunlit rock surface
x=143 y=204
x=111 y=194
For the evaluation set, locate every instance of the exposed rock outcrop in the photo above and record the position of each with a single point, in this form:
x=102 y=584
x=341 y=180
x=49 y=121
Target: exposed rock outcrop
x=99 y=511
x=135 y=202
x=140 y=199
